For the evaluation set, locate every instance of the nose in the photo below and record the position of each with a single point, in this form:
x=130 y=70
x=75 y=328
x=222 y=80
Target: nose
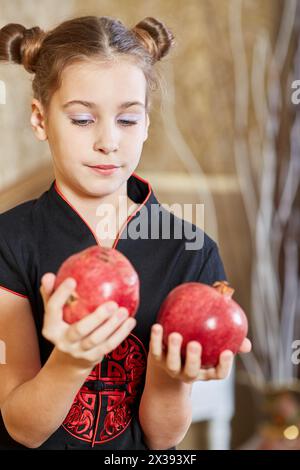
x=107 y=139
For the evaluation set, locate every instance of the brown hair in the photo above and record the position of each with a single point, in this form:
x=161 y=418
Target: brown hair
x=46 y=54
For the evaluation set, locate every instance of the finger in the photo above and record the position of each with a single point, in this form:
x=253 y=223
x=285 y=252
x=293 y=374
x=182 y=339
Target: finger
x=101 y=334
x=88 y=324
x=60 y=297
x=47 y=286
x=118 y=335
x=173 y=359
x=207 y=374
x=193 y=361
x=246 y=346
x=225 y=363
x=156 y=341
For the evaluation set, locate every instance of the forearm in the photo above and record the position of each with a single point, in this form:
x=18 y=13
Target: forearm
x=165 y=410
x=51 y=392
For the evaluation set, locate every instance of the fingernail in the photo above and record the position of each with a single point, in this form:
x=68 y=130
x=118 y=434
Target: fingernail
x=176 y=338
x=228 y=356
x=156 y=329
x=122 y=314
x=132 y=322
x=112 y=306
x=71 y=283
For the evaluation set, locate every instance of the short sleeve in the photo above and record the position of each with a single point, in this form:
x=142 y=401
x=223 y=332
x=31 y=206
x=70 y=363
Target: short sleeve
x=212 y=269
x=11 y=278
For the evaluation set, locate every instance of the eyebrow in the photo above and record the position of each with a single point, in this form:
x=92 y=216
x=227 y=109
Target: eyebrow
x=89 y=104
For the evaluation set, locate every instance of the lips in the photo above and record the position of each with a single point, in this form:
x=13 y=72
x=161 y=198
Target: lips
x=104 y=167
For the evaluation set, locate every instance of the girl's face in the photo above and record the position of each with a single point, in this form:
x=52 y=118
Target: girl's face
x=96 y=117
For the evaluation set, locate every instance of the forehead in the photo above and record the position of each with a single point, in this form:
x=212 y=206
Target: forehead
x=102 y=83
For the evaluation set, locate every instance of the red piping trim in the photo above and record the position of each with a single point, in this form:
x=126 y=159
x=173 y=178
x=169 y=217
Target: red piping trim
x=128 y=218
x=73 y=208
x=133 y=214
x=13 y=292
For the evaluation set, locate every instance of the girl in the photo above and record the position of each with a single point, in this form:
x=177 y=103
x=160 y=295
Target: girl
x=104 y=382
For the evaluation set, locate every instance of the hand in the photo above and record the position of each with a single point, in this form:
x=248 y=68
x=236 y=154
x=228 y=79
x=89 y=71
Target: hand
x=191 y=371
x=89 y=339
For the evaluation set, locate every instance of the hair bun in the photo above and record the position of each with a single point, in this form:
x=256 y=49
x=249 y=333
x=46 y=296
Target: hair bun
x=21 y=45
x=155 y=37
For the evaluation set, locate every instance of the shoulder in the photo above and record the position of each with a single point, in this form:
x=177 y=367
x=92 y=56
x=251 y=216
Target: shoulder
x=18 y=211
x=20 y=221
x=15 y=220
x=18 y=245
x=197 y=254
x=189 y=234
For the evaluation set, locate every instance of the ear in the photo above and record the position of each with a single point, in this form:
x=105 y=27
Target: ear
x=146 y=127
x=38 y=120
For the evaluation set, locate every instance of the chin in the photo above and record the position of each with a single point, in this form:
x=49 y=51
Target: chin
x=101 y=186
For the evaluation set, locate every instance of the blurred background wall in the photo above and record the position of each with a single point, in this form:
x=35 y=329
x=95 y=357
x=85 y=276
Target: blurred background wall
x=208 y=133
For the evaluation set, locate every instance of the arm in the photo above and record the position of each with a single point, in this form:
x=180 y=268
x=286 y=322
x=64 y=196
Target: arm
x=165 y=406
x=52 y=388
x=165 y=411
x=51 y=391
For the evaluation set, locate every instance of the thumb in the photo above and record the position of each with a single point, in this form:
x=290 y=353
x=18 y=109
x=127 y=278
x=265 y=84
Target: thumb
x=47 y=286
x=246 y=346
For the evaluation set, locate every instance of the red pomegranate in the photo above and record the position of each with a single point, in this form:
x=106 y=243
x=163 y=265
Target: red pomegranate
x=102 y=274
x=206 y=314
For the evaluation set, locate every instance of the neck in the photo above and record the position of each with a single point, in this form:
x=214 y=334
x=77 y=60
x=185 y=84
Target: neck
x=87 y=206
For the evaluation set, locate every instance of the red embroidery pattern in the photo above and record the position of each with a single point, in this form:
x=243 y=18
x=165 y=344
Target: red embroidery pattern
x=104 y=406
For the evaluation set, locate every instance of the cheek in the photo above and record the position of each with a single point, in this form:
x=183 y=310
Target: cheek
x=133 y=141
x=66 y=147
x=74 y=140
x=131 y=153
x=61 y=133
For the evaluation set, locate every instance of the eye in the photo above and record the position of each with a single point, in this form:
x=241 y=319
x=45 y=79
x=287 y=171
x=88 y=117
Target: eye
x=81 y=122
x=127 y=123
x=87 y=122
